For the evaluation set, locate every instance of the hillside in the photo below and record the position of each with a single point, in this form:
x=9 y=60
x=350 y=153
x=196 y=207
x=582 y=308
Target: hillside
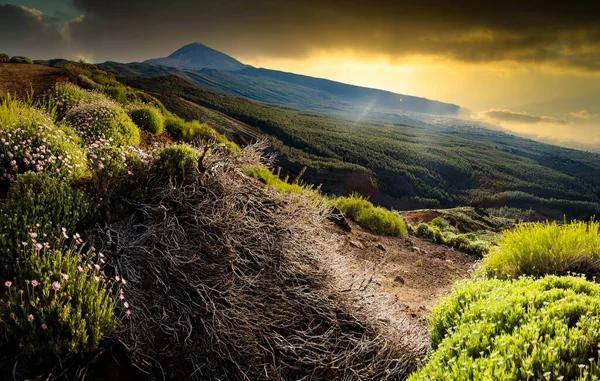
x=197 y=56
x=408 y=166
x=282 y=88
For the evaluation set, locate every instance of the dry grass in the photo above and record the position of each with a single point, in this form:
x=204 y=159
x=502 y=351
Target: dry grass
x=230 y=281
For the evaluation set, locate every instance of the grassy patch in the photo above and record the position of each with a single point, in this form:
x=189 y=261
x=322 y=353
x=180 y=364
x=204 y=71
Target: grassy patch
x=546 y=329
x=546 y=248
x=376 y=219
x=148 y=118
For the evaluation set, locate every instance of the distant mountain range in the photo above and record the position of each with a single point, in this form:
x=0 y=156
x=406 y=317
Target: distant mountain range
x=219 y=72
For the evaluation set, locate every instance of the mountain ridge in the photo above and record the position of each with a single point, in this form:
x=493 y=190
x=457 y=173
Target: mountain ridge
x=196 y=56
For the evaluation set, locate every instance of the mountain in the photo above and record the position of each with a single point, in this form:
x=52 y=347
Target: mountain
x=283 y=88
x=197 y=56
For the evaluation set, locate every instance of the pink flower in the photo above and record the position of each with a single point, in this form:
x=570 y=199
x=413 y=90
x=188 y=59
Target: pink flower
x=80 y=269
x=65 y=276
x=34 y=283
x=30 y=317
x=117 y=278
x=122 y=297
x=8 y=283
x=55 y=286
x=33 y=235
x=126 y=305
x=24 y=243
x=128 y=312
x=39 y=246
x=97 y=267
x=44 y=326
x=123 y=281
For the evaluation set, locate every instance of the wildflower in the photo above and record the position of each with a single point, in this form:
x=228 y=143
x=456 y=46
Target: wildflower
x=8 y=283
x=128 y=312
x=80 y=269
x=126 y=305
x=44 y=326
x=117 y=278
x=65 y=276
x=97 y=278
x=55 y=286
x=24 y=243
x=34 y=283
x=33 y=235
x=30 y=317
x=97 y=267
x=122 y=297
x=39 y=246
x=123 y=281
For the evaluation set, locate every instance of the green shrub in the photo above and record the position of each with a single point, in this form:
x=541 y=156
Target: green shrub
x=148 y=118
x=442 y=224
x=30 y=141
x=189 y=131
x=176 y=159
x=21 y=59
x=262 y=173
x=4 y=57
x=60 y=302
x=118 y=94
x=546 y=329
x=378 y=220
x=66 y=96
x=546 y=248
x=431 y=233
x=103 y=120
x=37 y=202
x=468 y=243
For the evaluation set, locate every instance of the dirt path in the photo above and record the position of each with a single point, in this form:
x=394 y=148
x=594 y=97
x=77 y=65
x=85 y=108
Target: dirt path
x=413 y=272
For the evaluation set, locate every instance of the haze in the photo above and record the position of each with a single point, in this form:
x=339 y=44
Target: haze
x=532 y=69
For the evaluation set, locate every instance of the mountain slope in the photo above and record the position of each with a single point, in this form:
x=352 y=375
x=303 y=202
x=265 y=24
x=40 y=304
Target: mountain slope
x=197 y=56
x=291 y=89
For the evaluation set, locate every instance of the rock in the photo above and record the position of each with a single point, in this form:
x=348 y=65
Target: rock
x=338 y=218
x=381 y=247
x=399 y=279
x=357 y=244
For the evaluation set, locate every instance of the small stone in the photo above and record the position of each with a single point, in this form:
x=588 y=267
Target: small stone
x=399 y=279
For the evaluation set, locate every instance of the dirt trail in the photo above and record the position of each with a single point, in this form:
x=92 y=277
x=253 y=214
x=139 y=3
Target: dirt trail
x=414 y=273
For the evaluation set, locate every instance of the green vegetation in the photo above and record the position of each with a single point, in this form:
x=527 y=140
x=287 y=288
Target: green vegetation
x=103 y=120
x=176 y=159
x=40 y=203
x=60 y=301
x=148 y=118
x=262 y=173
x=66 y=96
x=417 y=164
x=376 y=219
x=4 y=57
x=441 y=232
x=31 y=141
x=546 y=329
x=546 y=248
x=188 y=131
x=21 y=59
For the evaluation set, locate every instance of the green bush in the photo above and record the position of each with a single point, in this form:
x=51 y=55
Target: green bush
x=546 y=248
x=60 y=302
x=148 y=118
x=442 y=224
x=468 y=243
x=546 y=329
x=30 y=141
x=21 y=59
x=189 y=131
x=176 y=159
x=38 y=202
x=66 y=96
x=4 y=57
x=103 y=120
x=378 y=220
x=118 y=93
x=262 y=173
x=431 y=233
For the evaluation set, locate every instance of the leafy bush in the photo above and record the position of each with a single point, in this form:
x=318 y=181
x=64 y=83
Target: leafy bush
x=442 y=224
x=118 y=94
x=21 y=59
x=4 y=57
x=148 y=118
x=431 y=233
x=176 y=159
x=103 y=120
x=60 y=302
x=546 y=248
x=38 y=202
x=378 y=220
x=263 y=173
x=546 y=329
x=30 y=141
x=66 y=96
x=189 y=131
x=468 y=243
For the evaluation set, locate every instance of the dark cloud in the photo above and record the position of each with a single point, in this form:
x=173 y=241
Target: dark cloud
x=507 y=116
x=565 y=34
x=28 y=32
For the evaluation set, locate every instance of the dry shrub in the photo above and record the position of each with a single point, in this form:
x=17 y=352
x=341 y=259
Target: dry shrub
x=227 y=281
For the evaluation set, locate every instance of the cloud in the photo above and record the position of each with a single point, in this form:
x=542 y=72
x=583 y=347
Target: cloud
x=27 y=31
x=565 y=35
x=583 y=114
x=508 y=116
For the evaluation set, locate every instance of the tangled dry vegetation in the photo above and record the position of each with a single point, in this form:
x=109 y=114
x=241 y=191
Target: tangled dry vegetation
x=226 y=281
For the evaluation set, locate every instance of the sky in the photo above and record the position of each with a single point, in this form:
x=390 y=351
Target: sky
x=531 y=67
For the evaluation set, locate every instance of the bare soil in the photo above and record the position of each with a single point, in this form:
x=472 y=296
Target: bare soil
x=19 y=79
x=414 y=273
